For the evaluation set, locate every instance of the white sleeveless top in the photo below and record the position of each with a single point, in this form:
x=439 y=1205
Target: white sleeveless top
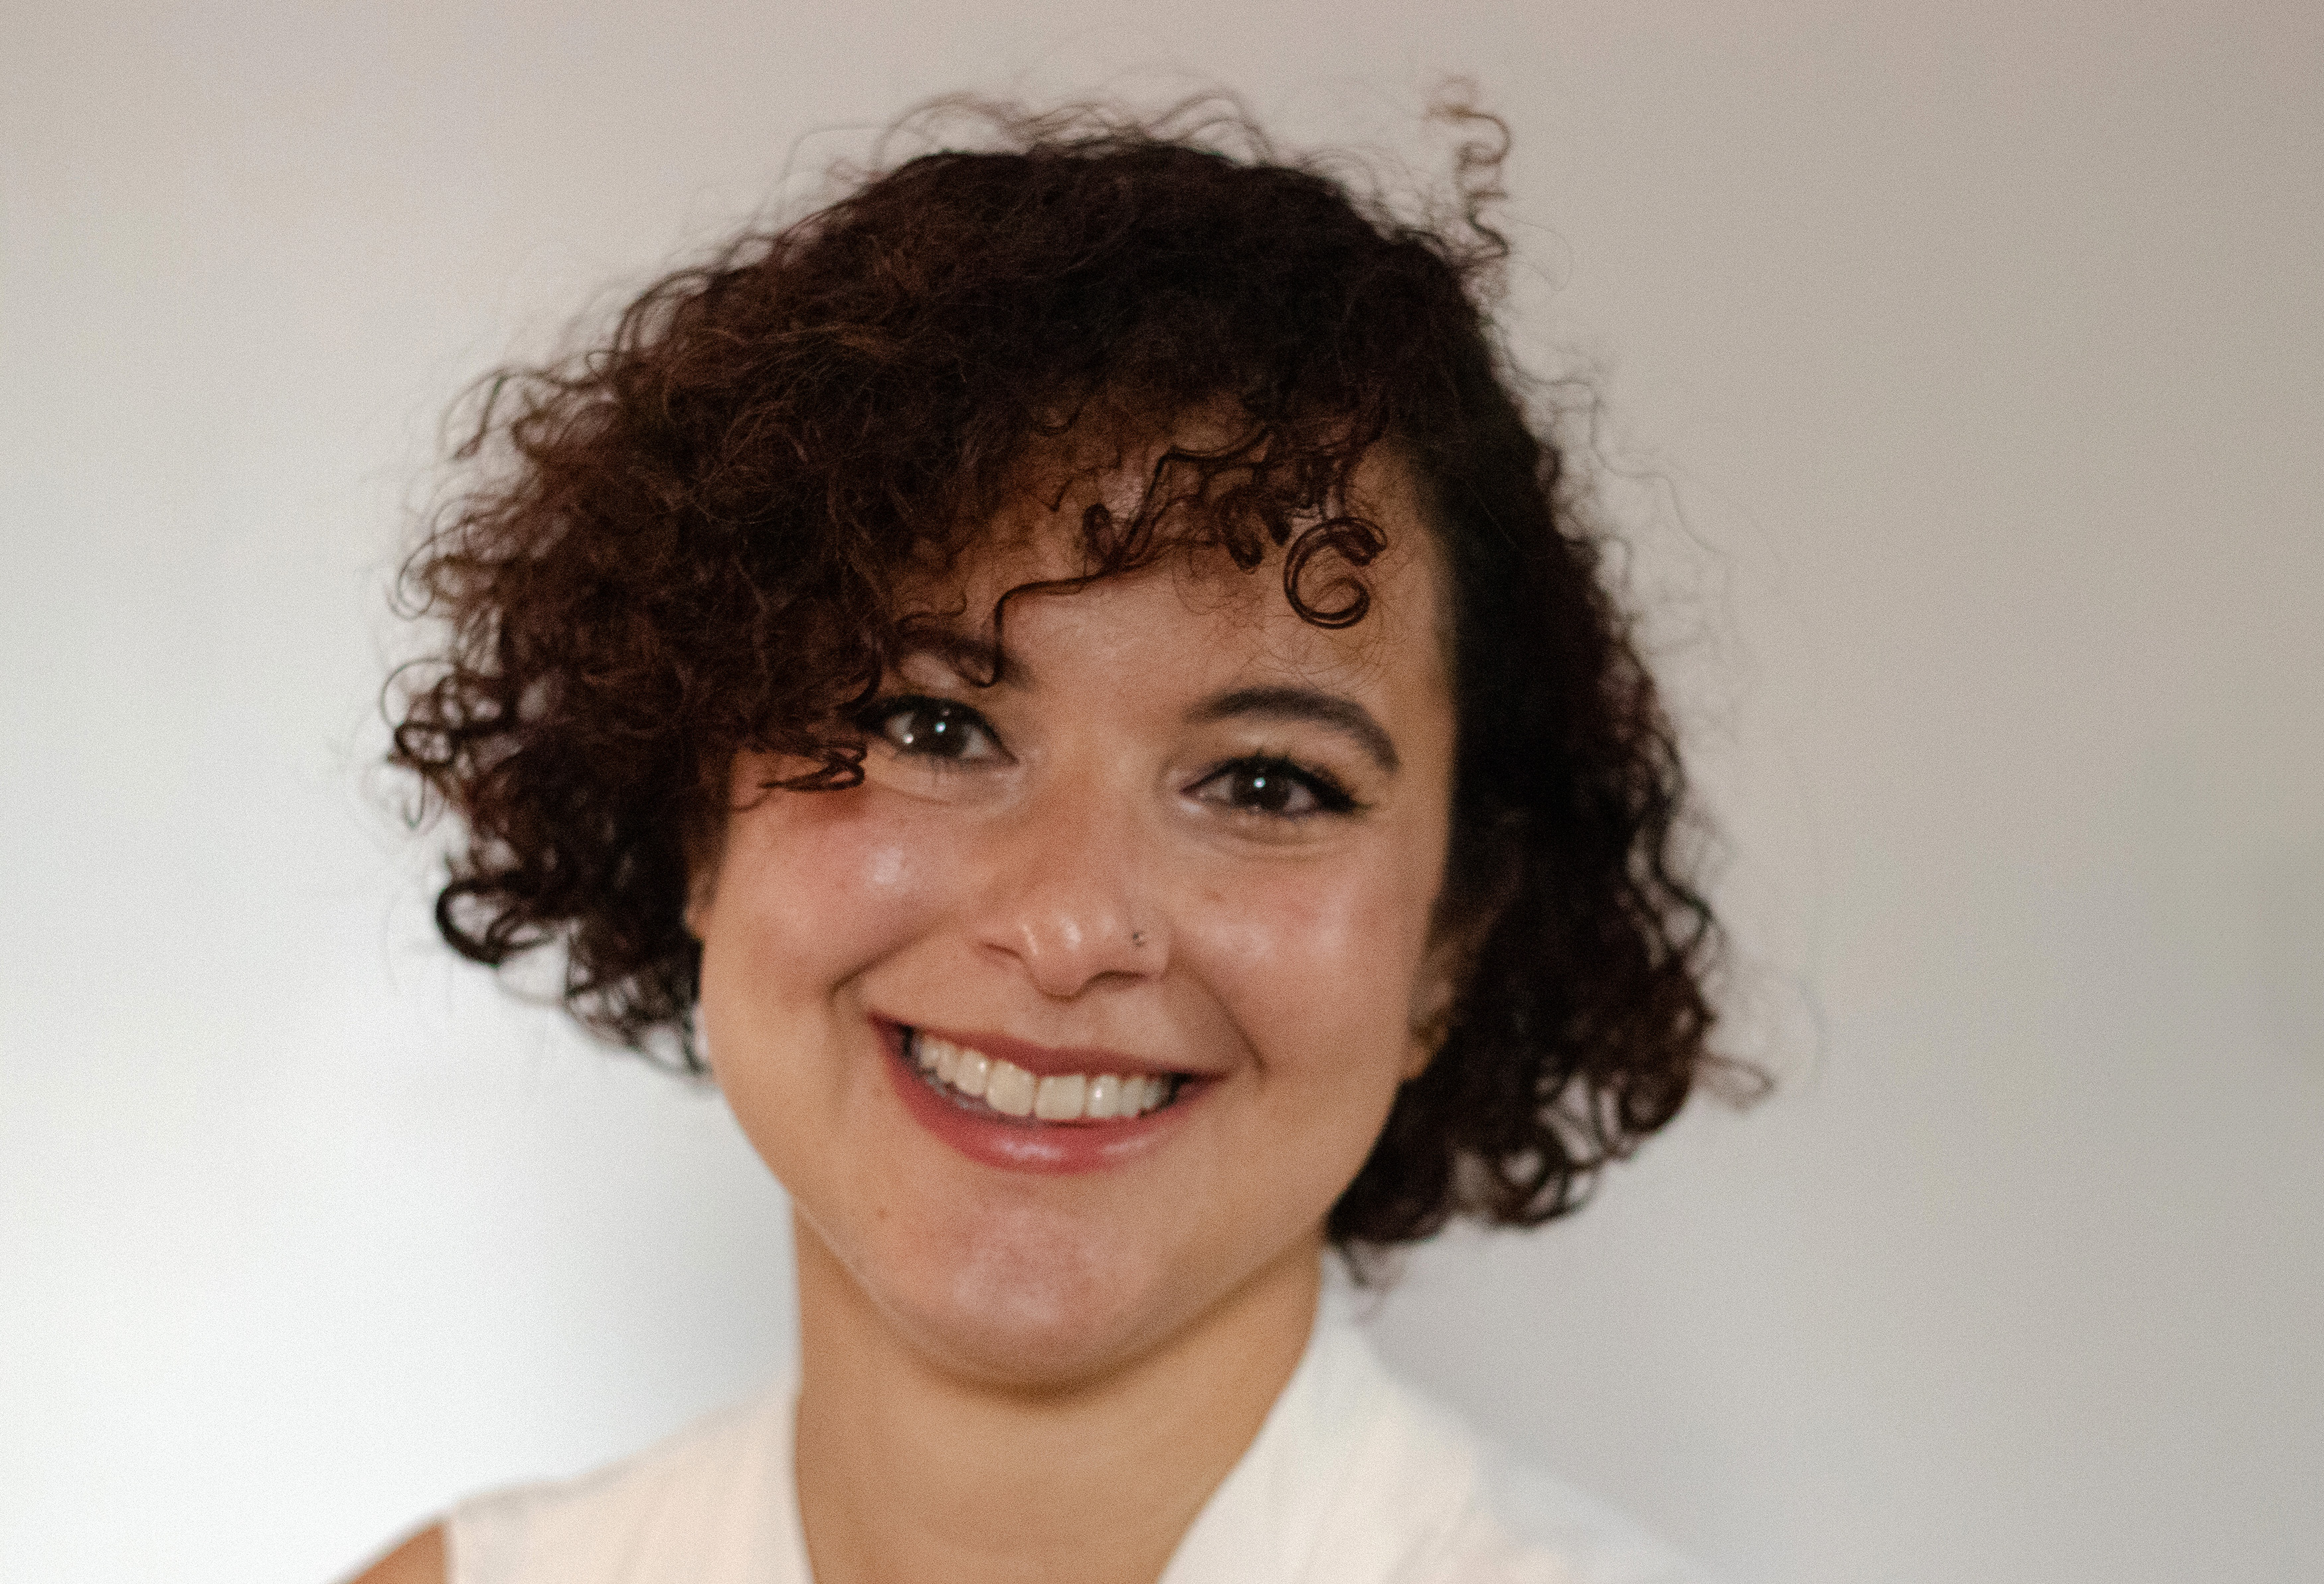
x=1354 y=1478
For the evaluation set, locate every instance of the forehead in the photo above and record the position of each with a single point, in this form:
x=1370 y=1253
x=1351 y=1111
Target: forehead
x=1032 y=561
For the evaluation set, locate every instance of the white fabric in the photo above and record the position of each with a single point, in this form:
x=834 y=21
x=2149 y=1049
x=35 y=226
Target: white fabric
x=1354 y=1478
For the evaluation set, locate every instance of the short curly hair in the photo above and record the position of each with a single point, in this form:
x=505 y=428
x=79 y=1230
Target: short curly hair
x=688 y=540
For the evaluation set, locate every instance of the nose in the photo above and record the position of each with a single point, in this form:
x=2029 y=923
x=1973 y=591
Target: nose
x=1067 y=901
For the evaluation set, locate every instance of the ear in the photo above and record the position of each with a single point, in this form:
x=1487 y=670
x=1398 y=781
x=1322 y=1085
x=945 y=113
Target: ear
x=706 y=840
x=701 y=879
x=1461 y=923
x=1435 y=993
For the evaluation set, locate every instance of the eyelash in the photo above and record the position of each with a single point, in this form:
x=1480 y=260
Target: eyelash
x=1330 y=796
x=947 y=714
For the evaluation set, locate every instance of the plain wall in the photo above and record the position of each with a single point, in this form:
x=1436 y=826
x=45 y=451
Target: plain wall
x=1964 y=380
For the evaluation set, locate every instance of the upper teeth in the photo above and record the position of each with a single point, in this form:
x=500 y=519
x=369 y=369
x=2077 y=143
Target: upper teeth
x=1010 y=1090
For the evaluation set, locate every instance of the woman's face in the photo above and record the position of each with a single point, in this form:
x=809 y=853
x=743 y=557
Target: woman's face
x=1184 y=851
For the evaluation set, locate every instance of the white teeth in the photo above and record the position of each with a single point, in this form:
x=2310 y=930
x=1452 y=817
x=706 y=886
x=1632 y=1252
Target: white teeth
x=1012 y=1091
x=1059 y=1099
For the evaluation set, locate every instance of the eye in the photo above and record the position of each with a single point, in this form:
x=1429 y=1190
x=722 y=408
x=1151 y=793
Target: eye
x=932 y=728
x=1273 y=787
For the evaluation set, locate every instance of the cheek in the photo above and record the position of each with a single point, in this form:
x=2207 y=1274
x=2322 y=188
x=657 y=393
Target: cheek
x=812 y=889
x=1317 y=967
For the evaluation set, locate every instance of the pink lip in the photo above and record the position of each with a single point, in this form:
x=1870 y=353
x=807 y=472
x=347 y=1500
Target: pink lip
x=1028 y=1145
x=1049 y=1060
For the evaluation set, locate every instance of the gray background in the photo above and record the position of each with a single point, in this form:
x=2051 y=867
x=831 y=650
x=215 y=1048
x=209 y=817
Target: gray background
x=1964 y=371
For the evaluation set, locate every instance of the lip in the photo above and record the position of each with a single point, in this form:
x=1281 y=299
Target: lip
x=1027 y=1145
x=1049 y=1060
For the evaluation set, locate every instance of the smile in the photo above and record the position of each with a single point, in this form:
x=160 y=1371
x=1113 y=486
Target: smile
x=969 y=1076
x=1024 y=1107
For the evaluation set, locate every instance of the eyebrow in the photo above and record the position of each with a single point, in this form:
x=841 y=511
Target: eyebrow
x=972 y=659
x=1303 y=704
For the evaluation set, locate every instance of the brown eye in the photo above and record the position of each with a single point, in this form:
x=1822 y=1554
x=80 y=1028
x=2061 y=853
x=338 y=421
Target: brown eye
x=1273 y=787
x=933 y=728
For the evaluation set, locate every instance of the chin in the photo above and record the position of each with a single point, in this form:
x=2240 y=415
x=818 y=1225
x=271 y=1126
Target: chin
x=1032 y=1304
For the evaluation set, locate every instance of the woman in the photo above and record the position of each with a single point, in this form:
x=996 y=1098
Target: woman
x=1066 y=679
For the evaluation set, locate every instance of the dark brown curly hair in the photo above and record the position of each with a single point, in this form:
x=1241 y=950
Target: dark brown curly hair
x=688 y=540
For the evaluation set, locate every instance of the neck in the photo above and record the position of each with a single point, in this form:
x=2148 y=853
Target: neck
x=907 y=1471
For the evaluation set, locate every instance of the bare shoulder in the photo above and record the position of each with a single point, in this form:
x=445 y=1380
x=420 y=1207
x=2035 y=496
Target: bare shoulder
x=418 y=1561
